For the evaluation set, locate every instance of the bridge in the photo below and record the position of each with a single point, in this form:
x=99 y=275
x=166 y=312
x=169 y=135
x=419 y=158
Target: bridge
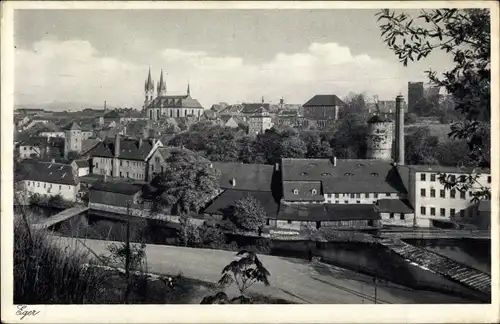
x=448 y=268
x=60 y=217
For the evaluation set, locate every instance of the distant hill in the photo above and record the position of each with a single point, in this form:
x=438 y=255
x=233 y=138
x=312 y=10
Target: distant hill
x=68 y=106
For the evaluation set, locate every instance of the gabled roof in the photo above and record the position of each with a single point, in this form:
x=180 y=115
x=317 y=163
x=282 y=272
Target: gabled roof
x=51 y=172
x=252 y=177
x=348 y=176
x=129 y=149
x=72 y=126
x=328 y=212
x=182 y=101
x=82 y=163
x=304 y=191
x=324 y=100
x=250 y=108
x=394 y=206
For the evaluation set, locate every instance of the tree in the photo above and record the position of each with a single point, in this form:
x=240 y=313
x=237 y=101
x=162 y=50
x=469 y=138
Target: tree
x=189 y=234
x=244 y=272
x=248 y=214
x=316 y=147
x=410 y=118
x=465 y=34
x=419 y=146
x=354 y=103
x=267 y=146
x=292 y=147
x=349 y=140
x=220 y=144
x=187 y=184
x=211 y=235
x=246 y=150
x=453 y=153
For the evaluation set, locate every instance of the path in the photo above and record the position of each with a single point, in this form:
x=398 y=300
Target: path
x=292 y=279
x=60 y=217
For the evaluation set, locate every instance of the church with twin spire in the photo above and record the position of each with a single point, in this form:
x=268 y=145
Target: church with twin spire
x=165 y=105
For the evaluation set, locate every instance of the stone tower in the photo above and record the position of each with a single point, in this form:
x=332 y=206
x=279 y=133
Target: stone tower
x=149 y=89
x=72 y=139
x=380 y=137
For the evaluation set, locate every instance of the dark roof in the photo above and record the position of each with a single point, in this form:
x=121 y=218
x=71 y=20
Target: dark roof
x=89 y=143
x=223 y=203
x=94 y=178
x=129 y=149
x=72 y=126
x=394 y=206
x=254 y=177
x=174 y=102
x=166 y=151
x=51 y=172
x=324 y=100
x=250 y=108
x=116 y=187
x=328 y=212
x=112 y=114
x=348 y=176
x=43 y=141
x=48 y=127
x=82 y=163
x=379 y=119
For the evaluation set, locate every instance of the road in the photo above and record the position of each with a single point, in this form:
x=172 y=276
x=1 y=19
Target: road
x=291 y=279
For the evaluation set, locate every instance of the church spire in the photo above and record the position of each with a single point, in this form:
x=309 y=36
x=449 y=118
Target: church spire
x=188 y=91
x=149 y=86
x=162 y=85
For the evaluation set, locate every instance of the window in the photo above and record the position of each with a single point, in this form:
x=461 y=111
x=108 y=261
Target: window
x=346 y=201
x=336 y=201
x=289 y=222
x=391 y=215
x=120 y=174
x=387 y=194
x=295 y=192
x=374 y=174
x=314 y=191
x=352 y=195
x=433 y=193
x=452 y=211
x=433 y=211
x=470 y=193
x=69 y=187
x=422 y=192
x=453 y=178
x=45 y=185
x=402 y=216
x=358 y=195
x=422 y=177
x=127 y=175
x=303 y=173
x=367 y=195
x=433 y=177
x=336 y=195
x=489 y=179
x=60 y=187
x=358 y=202
x=441 y=193
x=462 y=194
x=348 y=174
x=326 y=174
x=422 y=210
x=375 y=195
x=452 y=193
x=462 y=178
x=462 y=213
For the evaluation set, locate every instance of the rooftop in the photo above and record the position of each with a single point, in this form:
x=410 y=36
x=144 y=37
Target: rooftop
x=395 y=206
x=49 y=172
x=252 y=177
x=328 y=212
x=182 y=101
x=324 y=100
x=130 y=149
x=223 y=203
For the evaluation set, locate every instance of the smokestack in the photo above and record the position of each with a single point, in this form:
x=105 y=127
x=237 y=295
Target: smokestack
x=400 y=135
x=117 y=145
x=104 y=105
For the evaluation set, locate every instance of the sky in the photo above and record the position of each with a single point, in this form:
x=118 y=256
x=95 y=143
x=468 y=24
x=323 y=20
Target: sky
x=89 y=56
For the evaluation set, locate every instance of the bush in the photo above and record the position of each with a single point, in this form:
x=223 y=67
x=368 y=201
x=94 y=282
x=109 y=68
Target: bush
x=44 y=275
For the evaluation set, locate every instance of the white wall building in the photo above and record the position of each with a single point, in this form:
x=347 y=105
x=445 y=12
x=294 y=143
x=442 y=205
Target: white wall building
x=259 y=122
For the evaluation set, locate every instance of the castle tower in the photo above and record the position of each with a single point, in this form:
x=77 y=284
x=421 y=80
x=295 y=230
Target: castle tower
x=149 y=88
x=380 y=138
x=162 y=86
x=72 y=139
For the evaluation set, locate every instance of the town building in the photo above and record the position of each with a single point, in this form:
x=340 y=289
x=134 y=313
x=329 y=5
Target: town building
x=165 y=105
x=41 y=148
x=72 y=139
x=49 y=179
x=82 y=167
x=415 y=94
x=323 y=109
x=49 y=130
x=259 y=122
x=115 y=197
x=122 y=157
x=478 y=215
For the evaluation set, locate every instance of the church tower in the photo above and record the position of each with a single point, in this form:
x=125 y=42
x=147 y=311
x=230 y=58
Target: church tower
x=149 y=88
x=162 y=86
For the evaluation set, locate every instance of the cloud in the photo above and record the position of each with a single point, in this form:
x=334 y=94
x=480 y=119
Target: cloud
x=73 y=71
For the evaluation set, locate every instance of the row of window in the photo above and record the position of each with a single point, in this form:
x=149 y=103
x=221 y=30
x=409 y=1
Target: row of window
x=453 y=178
x=442 y=193
x=432 y=211
x=123 y=174
x=357 y=201
x=131 y=163
x=45 y=185
x=358 y=195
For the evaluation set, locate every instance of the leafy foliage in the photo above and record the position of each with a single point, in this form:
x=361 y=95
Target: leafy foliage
x=292 y=147
x=465 y=34
x=248 y=214
x=185 y=186
x=244 y=272
x=419 y=147
x=189 y=234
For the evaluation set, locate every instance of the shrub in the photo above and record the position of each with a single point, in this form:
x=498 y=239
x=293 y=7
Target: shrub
x=44 y=275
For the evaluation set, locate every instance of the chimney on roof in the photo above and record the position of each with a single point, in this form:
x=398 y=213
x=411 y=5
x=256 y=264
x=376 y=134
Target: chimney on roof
x=277 y=166
x=105 y=177
x=140 y=142
x=233 y=182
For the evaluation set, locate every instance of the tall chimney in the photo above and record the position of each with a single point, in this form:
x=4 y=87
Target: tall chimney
x=104 y=105
x=117 y=145
x=400 y=135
